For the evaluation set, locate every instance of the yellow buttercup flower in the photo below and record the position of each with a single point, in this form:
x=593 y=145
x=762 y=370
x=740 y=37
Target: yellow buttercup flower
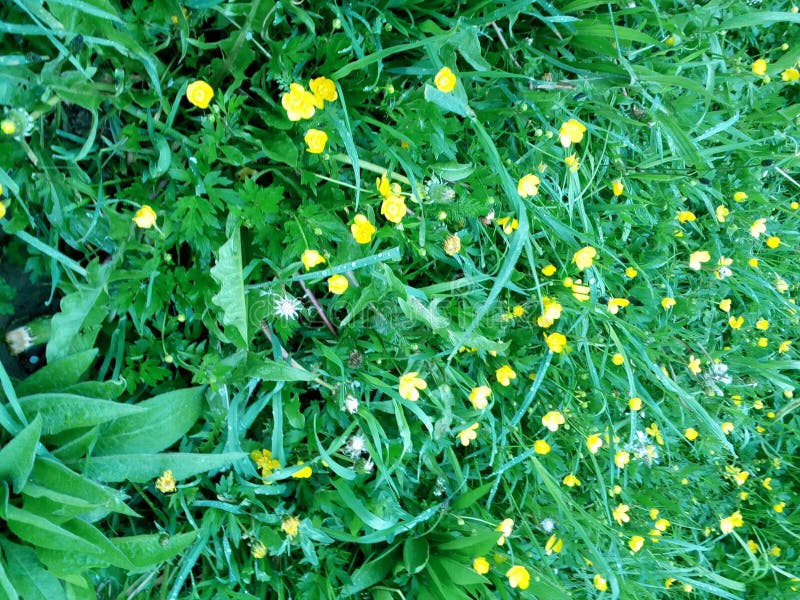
x=762 y=324
x=2 y=210
x=504 y=375
x=600 y=583
x=691 y=434
x=556 y=342
x=469 y=434
x=759 y=67
x=323 y=90
x=778 y=508
x=620 y=514
x=541 y=447
x=290 y=526
x=298 y=103
x=617 y=187
x=727 y=427
x=199 y=93
x=166 y=484
x=548 y=270
x=631 y=273
x=594 y=442
x=790 y=74
x=509 y=225
x=550 y=314
x=773 y=241
x=362 y=229
x=8 y=127
x=394 y=208
x=312 y=258
x=740 y=196
x=722 y=212
x=571 y=481
x=622 y=458
x=518 y=577
x=686 y=215
x=636 y=543
x=506 y=526
x=736 y=322
x=315 y=141
x=662 y=524
x=725 y=305
x=479 y=397
x=571 y=132
x=696 y=259
x=573 y=162
x=445 y=80
x=728 y=524
x=338 y=284
x=258 y=550
x=528 y=185
x=694 y=365
x=584 y=257
x=303 y=473
x=635 y=403
x=410 y=384
x=554 y=544
x=145 y=217
x=667 y=303
x=552 y=420
x=618 y=359
x=265 y=462
x=758 y=227
x=784 y=346
x=480 y=565
x=614 y=304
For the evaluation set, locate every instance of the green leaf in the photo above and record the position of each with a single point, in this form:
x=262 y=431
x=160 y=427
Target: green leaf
x=449 y=102
x=58 y=374
x=147 y=551
x=16 y=457
x=141 y=468
x=370 y=574
x=6 y=587
x=164 y=420
x=416 y=553
x=271 y=370
x=40 y=531
x=25 y=571
x=231 y=297
x=61 y=412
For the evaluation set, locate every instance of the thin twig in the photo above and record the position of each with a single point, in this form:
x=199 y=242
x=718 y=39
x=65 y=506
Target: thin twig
x=310 y=295
x=503 y=42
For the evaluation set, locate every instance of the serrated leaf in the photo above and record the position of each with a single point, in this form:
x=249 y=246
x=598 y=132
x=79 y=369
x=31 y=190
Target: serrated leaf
x=231 y=296
x=165 y=419
x=140 y=468
x=16 y=457
x=61 y=412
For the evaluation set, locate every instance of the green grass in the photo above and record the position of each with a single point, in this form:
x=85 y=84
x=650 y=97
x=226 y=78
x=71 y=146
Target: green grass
x=200 y=342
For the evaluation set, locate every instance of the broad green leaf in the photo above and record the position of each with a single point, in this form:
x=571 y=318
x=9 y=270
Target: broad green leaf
x=370 y=574
x=270 y=370
x=164 y=420
x=16 y=457
x=141 y=468
x=450 y=102
x=415 y=554
x=231 y=297
x=61 y=412
x=30 y=580
x=40 y=531
x=146 y=551
x=6 y=587
x=58 y=374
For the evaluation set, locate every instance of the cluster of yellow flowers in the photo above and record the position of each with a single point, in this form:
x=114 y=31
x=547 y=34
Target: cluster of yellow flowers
x=300 y=103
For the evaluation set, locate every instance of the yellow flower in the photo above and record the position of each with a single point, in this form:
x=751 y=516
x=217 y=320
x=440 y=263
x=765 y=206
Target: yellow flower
x=741 y=477
x=552 y=420
x=758 y=227
x=778 y=508
x=199 y=93
x=451 y=245
x=518 y=311
x=479 y=397
x=773 y=241
x=725 y=305
x=290 y=526
x=509 y=225
x=298 y=103
x=315 y=141
x=620 y=514
x=571 y=132
x=691 y=434
x=753 y=546
x=265 y=462
x=599 y=583
x=668 y=303
x=258 y=549
x=727 y=427
x=594 y=442
x=518 y=577
x=697 y=259
x=617 y=187
x=554 y=544
x=8 y=127
x=621 y=459
x=736 y=322
x=504 y=375
x=410 y=384
x=571 y=481
x=394 y=208
x=528 y=185
x=548 y=270
x=753 y=262
x=445 y=80
x=759 y=67
x=551 y=312
x=362 y=229
x=312 y=258
x=636 y=543
x=166 y=483
x=662 y=524
x=669 y=581
x=468 y=434
x=580 y=292
x=556 y=342
x=762 y=324
x=686 y=215
x=781 y=285
x=584 y=257
x=635 y=403
x=541 y=447
x=145 y=217
x=573 y=162
x=614 y=304
x=775 y=551
x=784 y=346
x=324 y=90
x=480 y=565
x=739 y=196
x=722 y=212
x=506 y=526
x=618 y=359
x=2 y=210
x=338 y=284
x=790 y=74
x=694 y=365
x=728 y=524
x=386 y=188
x=303 y=473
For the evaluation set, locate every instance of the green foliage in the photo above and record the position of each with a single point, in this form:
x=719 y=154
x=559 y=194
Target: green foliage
x=216 y=420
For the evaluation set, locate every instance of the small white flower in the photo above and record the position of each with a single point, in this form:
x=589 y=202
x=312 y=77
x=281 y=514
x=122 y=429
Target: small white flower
x=724 y=272
x=355 y=446
x=547 y=525
x=287 y=307
x=351 y=404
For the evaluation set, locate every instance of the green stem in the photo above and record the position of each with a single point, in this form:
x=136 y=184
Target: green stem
x=368 y=166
